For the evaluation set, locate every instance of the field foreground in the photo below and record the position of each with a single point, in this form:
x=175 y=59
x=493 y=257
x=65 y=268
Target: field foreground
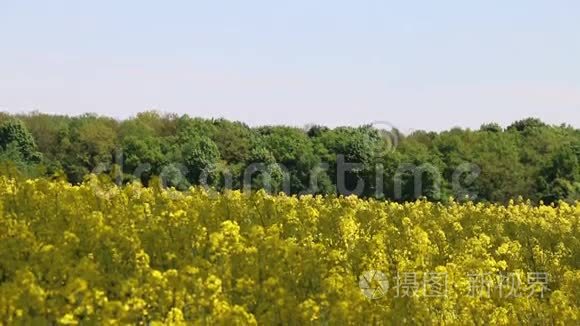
x=99 y=254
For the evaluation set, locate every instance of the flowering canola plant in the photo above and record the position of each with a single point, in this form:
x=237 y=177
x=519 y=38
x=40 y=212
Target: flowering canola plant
x=101 y=254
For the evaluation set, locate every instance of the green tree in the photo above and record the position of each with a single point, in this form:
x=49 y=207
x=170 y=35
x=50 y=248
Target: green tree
x=200 y=156
x=560 y=179
x=365 y=147
x=491 y=127
x=234 y=140
x=15 y=138
x=142 y=157
x=526 y=124
x=292 y=148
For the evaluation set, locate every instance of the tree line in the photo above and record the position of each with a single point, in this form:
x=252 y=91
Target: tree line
x=529 y=158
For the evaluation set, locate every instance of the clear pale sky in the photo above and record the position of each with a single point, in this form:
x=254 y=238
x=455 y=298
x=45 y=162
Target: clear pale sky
x=417 y=64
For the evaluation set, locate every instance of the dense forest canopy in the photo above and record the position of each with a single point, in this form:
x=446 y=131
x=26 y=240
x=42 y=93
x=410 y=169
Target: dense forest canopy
x=528 y=158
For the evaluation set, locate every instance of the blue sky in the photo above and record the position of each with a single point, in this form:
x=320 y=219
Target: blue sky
x=417 y=64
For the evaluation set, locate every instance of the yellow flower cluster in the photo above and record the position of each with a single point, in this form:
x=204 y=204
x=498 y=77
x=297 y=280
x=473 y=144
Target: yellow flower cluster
x=100 y=254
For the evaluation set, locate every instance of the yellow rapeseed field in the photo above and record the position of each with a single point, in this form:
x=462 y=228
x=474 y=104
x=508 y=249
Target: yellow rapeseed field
x=101 y=254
